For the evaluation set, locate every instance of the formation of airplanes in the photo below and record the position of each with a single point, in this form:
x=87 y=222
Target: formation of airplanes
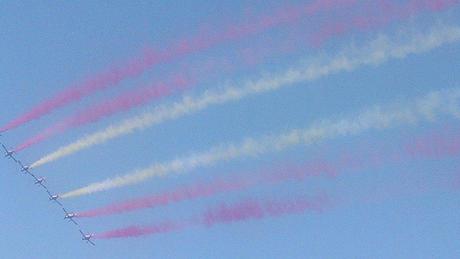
x=52 y=197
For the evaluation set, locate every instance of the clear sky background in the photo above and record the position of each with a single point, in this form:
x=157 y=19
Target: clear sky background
x=379 y=213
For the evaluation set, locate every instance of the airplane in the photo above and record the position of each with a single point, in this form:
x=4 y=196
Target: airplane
x=9 y=153
x=87 y=237
x=40 y=180
x=24 y=169
x=70 y=216
x=54 y=197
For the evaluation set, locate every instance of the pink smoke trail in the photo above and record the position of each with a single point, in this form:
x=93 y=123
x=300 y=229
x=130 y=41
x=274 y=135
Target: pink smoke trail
x=224 y=214
x=207 y=189
x=151 y=58
x=386 y=13
x=403 y=188
x=101 y=110
x=135 y=231
x=455 y=184
x=433 y=145
x=252 y=209
x=184 y=193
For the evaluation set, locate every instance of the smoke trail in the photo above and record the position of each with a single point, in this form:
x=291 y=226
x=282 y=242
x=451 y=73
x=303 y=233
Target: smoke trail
x=379 y=117
x=101 y=110
x=385 y=14
x=255 y=209
x=378 y=51
x=183 y=47
x=134 y=231
x=455 y=182
x=180 y=194
x=210 y=188
x=224 y=214
x=438 y=145
x=435 y=146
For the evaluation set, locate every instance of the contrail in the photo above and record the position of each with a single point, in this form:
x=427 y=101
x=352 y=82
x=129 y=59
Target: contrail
x=101 y=110
x=149 y=59
x=439 y=144
x=378 y=51
x=426 y=108
x=250 y=209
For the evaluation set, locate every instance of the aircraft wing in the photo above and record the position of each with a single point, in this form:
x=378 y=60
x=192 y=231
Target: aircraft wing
x=29 y=173
x=71 y=219
x=6 y=150
x=58 y=202
x=23 y=169
x=89 y=241
x=44 y=187
x=15 y=160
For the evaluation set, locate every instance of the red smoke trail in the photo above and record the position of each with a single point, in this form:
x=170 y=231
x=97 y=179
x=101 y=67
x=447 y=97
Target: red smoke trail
x=98 y=111
x=150 y=58
x=207 y=189
x=184 y=193
x=434 y=145
x=225 y=214
x=455 y=184
x=134 y=231
x=255 y=209
x=386 y=13
x=409 y=188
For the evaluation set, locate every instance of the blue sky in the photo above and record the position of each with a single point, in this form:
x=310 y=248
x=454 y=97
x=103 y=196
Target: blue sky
x=46 y=47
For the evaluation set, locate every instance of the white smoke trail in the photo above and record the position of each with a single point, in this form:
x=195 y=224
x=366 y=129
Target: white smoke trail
x=377 y=51
x=427 y=107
